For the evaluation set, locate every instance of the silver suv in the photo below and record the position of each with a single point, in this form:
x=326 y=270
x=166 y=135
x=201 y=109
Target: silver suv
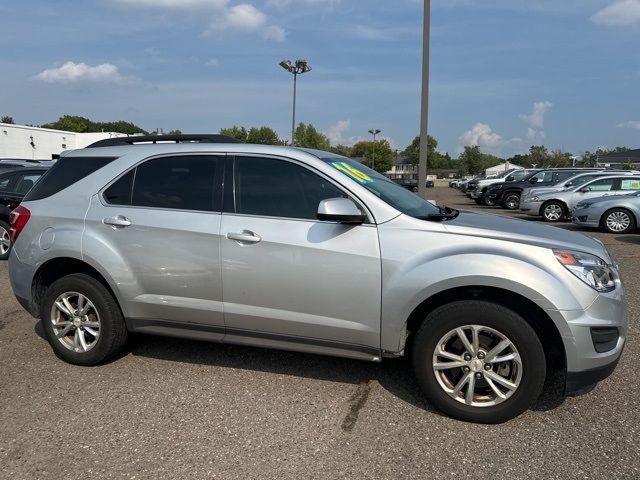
x=306 y=250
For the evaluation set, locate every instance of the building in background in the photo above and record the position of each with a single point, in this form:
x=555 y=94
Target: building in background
x=502 y=167
x=619 y=159
x=35 y=143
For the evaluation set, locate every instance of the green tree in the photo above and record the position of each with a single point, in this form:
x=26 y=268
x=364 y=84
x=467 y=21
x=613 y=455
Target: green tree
x=343 y=150
x=307 y=136
x=263 y=136
x=74 y=123
x=413 y=151
x=558 y=158
x=7 y=119
x=383 y=154
x=239 y=133
x=174 y=132
x=539 y=155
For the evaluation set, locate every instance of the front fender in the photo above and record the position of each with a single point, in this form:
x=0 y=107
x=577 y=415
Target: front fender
x=432 y=262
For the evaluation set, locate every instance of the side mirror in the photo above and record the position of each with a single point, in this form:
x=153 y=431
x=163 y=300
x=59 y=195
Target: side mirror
x=585 y=189
x=341 y=210
x=533 y=180
x=509 y=178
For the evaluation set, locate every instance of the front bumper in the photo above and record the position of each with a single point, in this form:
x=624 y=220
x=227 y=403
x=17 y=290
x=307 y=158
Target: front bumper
x=530 y=207
x=582 y=218
x=585 y=365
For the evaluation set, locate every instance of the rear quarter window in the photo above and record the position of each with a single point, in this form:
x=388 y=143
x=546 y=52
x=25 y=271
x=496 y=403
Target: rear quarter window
x=66 y=172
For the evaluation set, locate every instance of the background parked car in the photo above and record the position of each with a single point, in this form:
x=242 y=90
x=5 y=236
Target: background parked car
x=619 y=214
x=574 y=181
x=508 y=195
x=14 y=185
x=557 y=206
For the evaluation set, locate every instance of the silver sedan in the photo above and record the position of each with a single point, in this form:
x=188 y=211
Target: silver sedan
x=613 y=214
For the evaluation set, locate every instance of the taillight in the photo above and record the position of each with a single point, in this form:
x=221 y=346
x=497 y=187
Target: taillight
x=18 y=220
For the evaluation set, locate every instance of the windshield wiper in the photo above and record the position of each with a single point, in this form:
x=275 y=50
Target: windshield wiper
x=445 y=213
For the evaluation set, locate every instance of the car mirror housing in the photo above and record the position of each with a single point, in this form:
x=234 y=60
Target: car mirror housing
x=585 y=189
x=533 y=180
x=341 y=210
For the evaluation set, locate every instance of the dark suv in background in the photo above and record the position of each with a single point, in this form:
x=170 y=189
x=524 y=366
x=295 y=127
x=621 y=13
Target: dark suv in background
x=14 y=185
x=508 y=194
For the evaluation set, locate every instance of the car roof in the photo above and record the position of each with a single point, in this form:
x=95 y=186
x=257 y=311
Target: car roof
x=11 y=171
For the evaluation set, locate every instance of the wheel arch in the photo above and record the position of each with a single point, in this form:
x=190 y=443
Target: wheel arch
x=629 y=211
x=533 y=314
x=561 y=202
x=58 y=267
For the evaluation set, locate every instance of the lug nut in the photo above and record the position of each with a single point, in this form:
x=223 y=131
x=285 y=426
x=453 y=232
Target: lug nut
x=478 y=375
x=487 y=366
x=467 y=357
x=465 y=369
x=480 y=355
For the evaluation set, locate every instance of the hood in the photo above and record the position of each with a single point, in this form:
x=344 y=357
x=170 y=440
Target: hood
x=523 y=231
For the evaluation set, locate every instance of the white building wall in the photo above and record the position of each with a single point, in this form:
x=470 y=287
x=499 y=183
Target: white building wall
x=21 y=141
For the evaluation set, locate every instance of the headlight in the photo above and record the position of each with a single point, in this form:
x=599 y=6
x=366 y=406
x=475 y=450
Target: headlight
x=590 y=269
x=582 y=206
x=534 y=199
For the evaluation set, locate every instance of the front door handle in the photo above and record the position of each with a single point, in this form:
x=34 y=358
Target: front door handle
x=244 y=237
x=117 y=221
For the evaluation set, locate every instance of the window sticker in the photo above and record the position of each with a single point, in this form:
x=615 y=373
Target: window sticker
x=631 y=184
x=354 y=173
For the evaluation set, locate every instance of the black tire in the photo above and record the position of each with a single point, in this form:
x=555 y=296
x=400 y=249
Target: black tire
x=471 y=312
x=549 y=211
x=4 y=227
x=622 y=213
x=511 y=201
x=487 y=201
x=478 y=201
x=113 y=331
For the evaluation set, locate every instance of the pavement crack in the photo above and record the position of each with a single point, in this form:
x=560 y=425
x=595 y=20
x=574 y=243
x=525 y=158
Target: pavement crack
x=356 y=403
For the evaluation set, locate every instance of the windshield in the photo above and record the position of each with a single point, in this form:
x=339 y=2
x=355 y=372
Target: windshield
x=390 y=192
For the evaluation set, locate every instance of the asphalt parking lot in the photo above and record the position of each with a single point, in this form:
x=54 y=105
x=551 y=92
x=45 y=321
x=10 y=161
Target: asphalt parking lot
x=180 y=409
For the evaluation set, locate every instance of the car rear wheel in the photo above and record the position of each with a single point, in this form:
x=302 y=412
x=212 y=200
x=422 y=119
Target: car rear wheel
x=82 y=320
x=5 y=241
x=553 y=211
x=618 y=220
x=478 y=361
x=511 y=201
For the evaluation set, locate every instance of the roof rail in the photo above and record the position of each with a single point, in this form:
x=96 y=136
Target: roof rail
x=120 y=141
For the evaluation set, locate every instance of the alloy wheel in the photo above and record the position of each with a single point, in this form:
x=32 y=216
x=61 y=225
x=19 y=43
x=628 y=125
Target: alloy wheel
x=553 y=212
x=477 y=365
x=75 y=321
x=5 y=241
x=618 y=221
x=512 y=202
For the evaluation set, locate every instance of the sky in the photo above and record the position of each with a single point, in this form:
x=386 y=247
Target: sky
x=505 y=74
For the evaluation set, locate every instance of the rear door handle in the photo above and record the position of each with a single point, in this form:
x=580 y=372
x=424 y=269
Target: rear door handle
x=117 y=221
x=244 y=237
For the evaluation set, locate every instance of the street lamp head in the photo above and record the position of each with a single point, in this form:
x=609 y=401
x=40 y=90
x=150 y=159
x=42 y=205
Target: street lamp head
x=286 y=64
x=374 y=131
x=302 y=66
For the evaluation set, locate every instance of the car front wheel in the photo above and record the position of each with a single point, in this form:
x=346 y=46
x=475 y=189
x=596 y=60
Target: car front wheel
x=478 y=361
x=511 y=201
x=82 y=321
x=5 y=241
x=553 y=211
x=618 y=220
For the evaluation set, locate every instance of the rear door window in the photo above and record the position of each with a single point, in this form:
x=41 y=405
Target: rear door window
x=66 y=172
x=630 y=184
x=177 y=183
x=26 y=181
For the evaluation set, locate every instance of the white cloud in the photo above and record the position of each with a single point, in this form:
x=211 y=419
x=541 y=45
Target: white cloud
x=635 y=124
x=71 y=72
x=536 y=117
x=324 y=4
x=242 y=17
x=482 y=135
x=335 y=132
x=175 y=4
x=619 y=13
x=214 y=62
x=246 y=18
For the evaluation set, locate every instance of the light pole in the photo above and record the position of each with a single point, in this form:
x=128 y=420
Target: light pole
x=296 y=69
x=424 y=110
x=374 y=132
